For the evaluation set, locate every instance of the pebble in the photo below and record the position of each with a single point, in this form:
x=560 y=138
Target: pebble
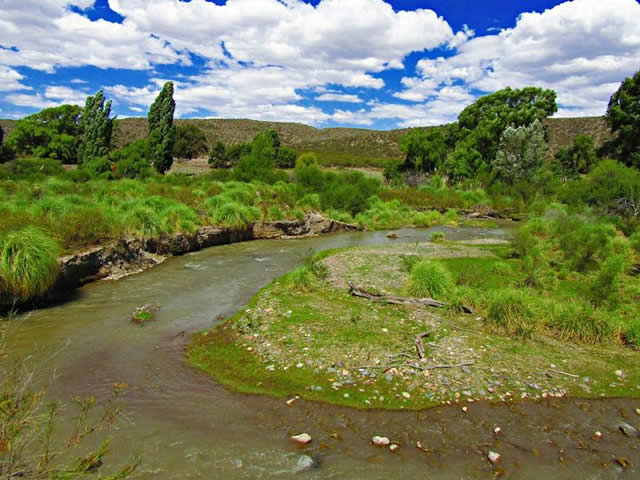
x=300 y=365
x=598 y=435
x=406 y=395
x=497 y=430
x=302 y=439
x=465 y=409
x=385 y=330
x=628 y=430
x=638 y=411
x=394 y=447
x=466 y=370
x=305 y=463
x=380 y=441
x=494 y=457
x=291 y=401
x=346 y=395
x=271 y=368
x=619 y=373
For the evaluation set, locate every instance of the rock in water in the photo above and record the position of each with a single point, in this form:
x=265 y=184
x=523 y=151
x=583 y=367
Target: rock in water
x=305 y=462
x=380 y=441
x=302 y=439
x=494 y=457
x=628 y=430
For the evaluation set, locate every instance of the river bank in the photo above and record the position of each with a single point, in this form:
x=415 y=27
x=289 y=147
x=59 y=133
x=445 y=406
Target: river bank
x=129 y=256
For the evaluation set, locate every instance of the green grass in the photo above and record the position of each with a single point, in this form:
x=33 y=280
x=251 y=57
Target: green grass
x=28 y=263
x=430 y=279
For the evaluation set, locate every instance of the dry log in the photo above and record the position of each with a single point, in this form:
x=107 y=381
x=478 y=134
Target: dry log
x=419 y=343
x=395 y=300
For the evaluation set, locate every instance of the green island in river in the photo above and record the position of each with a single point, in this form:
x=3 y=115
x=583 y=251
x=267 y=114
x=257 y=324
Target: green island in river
x=307 y=335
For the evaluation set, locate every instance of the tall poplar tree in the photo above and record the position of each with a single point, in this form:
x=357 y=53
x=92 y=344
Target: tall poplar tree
x=98 y=127
x=162 y=132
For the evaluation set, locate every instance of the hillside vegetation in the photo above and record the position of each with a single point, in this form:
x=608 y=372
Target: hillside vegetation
x=336 y=146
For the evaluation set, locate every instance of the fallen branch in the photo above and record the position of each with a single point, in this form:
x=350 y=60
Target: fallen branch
x=560 y=372
x=395 y=300
x=419 y=343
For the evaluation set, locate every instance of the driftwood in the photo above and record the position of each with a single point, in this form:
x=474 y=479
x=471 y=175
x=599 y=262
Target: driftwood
x=419 y=342
x=395 y=300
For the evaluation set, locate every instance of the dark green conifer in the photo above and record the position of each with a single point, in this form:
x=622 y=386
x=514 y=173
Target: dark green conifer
x=98 y=127
x=162 y=132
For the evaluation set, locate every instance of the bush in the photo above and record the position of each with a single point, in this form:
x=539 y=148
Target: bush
x=604 y=286
x=232 y=214
x=300 y=278
x=509 y=310
x=99 y=167
x=190 y=142
x=430 y=279
x=451 y=217
x=437 y=237
x=28 y=263
x=427 y=219
x=133 y=160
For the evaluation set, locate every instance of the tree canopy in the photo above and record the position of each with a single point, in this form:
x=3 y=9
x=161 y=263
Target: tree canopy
x=51 y=133
x=424 y=149
x=191 y=142
x=98 y=127
x=623 y=117
x=162 y=132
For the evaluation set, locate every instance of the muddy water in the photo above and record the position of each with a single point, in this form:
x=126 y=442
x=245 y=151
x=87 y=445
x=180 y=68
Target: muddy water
x=186 y=426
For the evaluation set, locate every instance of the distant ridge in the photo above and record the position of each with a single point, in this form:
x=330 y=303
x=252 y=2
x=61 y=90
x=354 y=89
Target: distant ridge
x=338 y=146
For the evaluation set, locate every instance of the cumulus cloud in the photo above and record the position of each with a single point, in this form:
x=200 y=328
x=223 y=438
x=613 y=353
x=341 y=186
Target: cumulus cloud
x=52 y=97
x=10 y=80
x=338 y=97
x=581 y=49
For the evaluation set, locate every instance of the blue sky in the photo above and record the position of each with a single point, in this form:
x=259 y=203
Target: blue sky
x=362 y=63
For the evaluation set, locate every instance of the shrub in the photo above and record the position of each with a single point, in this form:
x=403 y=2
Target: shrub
x=275 y=213
x=190 y=142
x=427 y=219
x=509 y=310
x=605 y=284
x=234 y=215
x=28 y=263
x=437 y=237
x=98 y=167
x=451 y=217
x=430 y=279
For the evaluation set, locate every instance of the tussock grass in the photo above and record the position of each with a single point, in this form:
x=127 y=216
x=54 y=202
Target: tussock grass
x=430 y=279
x=28 y=263
x=511 y=311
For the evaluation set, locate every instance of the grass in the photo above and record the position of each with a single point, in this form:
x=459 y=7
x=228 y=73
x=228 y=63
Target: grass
x=430 y=279
x=28 y=263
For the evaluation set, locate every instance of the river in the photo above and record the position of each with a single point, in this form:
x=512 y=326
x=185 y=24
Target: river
x=185 y=426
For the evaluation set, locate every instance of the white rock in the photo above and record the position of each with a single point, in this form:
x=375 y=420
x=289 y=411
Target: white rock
x=291 y=401
x=598 y=434
x=497 y=430
x=299 y=365
x=380 y=441
x=406 y=395
x=619 y=373
x=302 y=439
x=394 y=447
x=494 y=457
x=305 y=463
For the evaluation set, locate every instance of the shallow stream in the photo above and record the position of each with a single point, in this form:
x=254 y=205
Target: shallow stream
x=186 y=426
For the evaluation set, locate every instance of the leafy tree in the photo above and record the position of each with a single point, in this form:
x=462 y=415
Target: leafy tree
x=191 y=142
x=464 y=161
x=162 y=132
x=579 y=158
x=425 y=150
x=286 y=158
x=260 y=163
x=218 y=156
x=623 y=117
x=6 y=153
x=98 y=127
x=521 y=152
x=51 y=133
x=482 y=123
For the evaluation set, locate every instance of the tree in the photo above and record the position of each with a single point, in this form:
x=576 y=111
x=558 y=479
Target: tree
x=218 y=156
x=133 y=160
x=162 y=132
x=578 y=159
x=286 y=158
x=98 y=127
x=623 y=117
x=521 y=152
x=425 y=150
x=486 y=118
x=191 y=142
x=51 y=133
x=260 y=163
x=6 y=153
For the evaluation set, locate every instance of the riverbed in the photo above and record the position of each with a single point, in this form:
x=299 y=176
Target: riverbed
x=186 y=426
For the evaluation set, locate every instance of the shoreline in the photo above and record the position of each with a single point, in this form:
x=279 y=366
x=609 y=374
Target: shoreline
x=130 y=256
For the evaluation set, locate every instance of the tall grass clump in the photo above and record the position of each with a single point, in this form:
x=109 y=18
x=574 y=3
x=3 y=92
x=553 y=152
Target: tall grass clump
x=234 y=215
x=510 y=310
x=577 y=321
x=28 y=263
x=430 y=279
x=427 y=219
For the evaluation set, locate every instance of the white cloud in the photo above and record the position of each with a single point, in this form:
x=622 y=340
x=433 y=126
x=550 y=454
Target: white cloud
x=52 y=97
x=338 y=97
x=582 y=49
x=10 y=80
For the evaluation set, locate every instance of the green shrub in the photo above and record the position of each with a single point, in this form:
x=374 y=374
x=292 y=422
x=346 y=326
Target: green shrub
x=409 y=261
x=437 y=237
x=300 y=278
x=275 y=213
x=427 y=219
x=451 y=217
x=510 y=310
x=604 y=286
x=234 y=215
x=430 y=279
x=634 y=240
x=28 y=263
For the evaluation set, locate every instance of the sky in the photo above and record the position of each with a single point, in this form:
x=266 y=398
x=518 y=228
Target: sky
x=357 y=63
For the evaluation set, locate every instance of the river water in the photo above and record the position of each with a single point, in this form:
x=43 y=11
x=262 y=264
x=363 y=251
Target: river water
x=186 y=426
